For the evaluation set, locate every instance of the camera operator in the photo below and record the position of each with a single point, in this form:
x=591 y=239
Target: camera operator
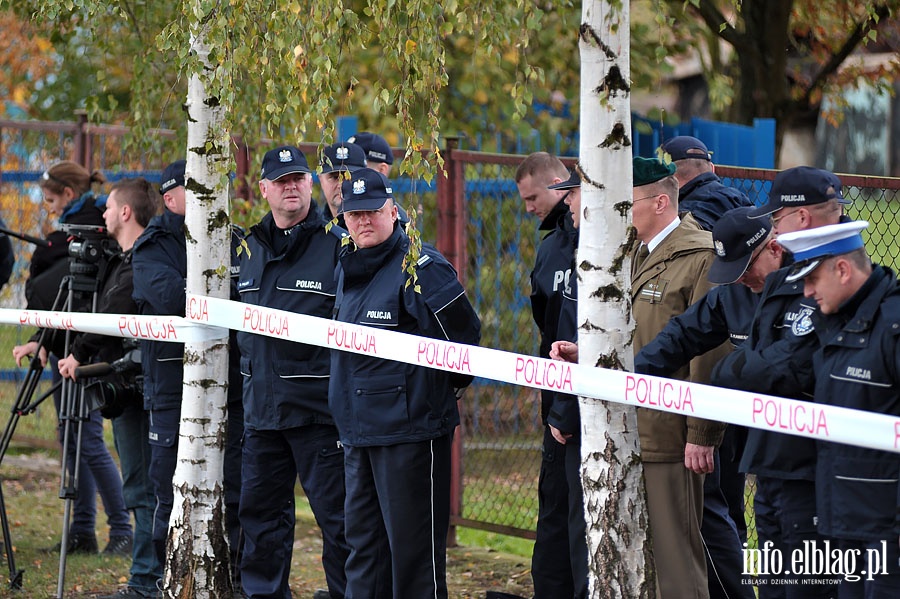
x=130 y=206
x=66 y=187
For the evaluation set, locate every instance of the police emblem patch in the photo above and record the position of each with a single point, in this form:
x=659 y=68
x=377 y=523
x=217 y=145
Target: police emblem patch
x=803 y=324
x=720 y=248
x=285 y=156
x=359 y=186
x=342 y=153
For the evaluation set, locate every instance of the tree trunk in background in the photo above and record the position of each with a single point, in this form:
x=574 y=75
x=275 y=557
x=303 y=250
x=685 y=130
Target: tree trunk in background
x=611 y=470
x=197 y=564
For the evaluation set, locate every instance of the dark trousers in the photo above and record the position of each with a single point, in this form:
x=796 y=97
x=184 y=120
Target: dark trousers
x=885 y=580
x=163 y=458
x=786 y=516
x=97 y=472
x=131 y=430
x=398 y=515
x=272 y=461
x=578 y=552
x=231 y=475
x=724 y=560
x=551 y=568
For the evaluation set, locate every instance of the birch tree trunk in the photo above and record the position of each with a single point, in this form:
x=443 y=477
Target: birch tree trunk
x=619 y=553
x=197 y=564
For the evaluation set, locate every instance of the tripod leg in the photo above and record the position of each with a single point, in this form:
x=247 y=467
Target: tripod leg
x=15 y=575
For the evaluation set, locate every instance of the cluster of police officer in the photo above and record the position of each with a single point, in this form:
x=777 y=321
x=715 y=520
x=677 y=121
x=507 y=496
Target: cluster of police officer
x=805 y=315
x=368 y=439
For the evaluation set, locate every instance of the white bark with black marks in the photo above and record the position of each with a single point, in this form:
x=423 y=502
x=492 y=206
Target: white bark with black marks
x=612 y=474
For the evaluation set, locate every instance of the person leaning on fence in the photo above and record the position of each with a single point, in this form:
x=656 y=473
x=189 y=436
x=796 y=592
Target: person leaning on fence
x=66 y=187
x=289 y=430
x=701 y=192
x=130 y=206
x=858 y=367
x=396 y=420
x=160 y=271
x=776 y=359
x=551 y=284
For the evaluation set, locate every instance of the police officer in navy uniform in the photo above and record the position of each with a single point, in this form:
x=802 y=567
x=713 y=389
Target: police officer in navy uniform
x=700 y=191
x=396 y=420
x=160 y=270
x=289 y=430
x=564 y=418
x=338 y=161
x=776 y=359
x=378 y=153
x=551 y=279
x=857 y=367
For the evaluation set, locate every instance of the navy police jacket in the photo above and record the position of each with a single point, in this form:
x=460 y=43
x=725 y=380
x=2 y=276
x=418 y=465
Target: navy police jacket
x=725 y=313
x=858 y=489
x=776 y=359
x=707 y=199
x=553 y=288
x=564 y=412
x=378 y=402
x=286 y=383
x=159 y=262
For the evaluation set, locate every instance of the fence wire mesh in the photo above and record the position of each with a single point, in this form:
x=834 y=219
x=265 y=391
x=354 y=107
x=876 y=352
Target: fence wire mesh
x=501 y=431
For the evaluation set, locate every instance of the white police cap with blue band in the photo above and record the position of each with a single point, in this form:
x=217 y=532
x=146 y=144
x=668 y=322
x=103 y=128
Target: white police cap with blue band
x=812 y=246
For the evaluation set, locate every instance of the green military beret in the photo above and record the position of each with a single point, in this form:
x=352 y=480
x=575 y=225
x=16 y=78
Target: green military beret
x=650 y=170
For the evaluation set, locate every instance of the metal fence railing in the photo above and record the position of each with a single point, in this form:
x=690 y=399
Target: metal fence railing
x=476 y=218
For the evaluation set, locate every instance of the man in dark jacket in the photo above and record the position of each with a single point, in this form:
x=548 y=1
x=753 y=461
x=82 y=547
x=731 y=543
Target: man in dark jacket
x=288 y=428
x=160 y=271
x=776 y=359
x=858 y=367
x=396 y=420
x=700 y=191
x=551 y=284
x=129 y=208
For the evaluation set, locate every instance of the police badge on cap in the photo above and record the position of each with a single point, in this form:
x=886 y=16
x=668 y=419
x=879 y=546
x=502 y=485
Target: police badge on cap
x=365 y=190
x=283 y=161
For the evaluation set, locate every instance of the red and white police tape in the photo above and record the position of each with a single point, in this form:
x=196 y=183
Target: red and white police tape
x=841 y=425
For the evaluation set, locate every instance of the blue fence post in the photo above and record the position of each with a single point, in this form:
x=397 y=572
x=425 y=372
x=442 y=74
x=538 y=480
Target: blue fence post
x=764 y=142
x=347 y=126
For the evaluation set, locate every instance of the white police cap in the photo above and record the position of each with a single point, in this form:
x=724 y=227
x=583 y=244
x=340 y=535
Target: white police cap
x=812 y=246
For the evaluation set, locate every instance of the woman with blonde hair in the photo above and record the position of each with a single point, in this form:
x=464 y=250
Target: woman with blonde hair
x=68 y=195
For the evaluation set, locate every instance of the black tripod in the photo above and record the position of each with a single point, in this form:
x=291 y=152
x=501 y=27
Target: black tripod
x=81 y=283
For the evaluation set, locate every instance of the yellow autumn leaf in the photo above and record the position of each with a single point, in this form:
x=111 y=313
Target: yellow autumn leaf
x=410 y=47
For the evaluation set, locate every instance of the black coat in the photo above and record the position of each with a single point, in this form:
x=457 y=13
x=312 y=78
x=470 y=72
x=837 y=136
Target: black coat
x=377 y=402
x=286 y=383
x=858 y=489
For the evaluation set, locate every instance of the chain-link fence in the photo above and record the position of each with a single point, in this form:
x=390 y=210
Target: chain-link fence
x=478 y=206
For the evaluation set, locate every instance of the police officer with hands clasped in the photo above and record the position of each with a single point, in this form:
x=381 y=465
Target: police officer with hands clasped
x=289 y=431
x=396 y=420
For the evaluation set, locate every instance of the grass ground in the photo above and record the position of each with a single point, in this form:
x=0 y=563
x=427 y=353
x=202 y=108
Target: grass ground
x=30 y=482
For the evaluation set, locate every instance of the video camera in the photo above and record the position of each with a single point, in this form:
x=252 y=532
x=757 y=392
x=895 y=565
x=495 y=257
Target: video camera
x=89 y=243
x=113 y=394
